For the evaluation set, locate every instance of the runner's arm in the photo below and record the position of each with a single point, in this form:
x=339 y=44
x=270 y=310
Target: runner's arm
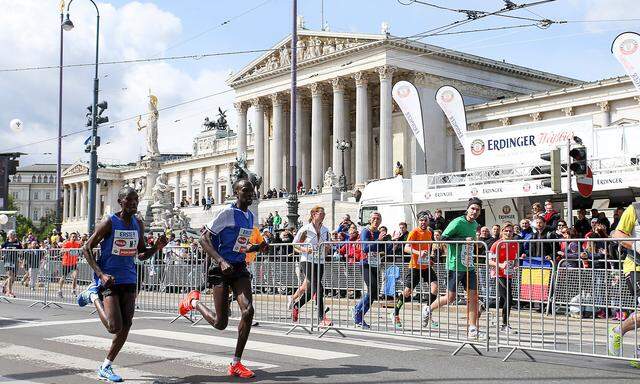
x=102 y=231
x=207 y=246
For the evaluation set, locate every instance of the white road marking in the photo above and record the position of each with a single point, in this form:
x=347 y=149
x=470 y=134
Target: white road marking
x=7 y=380
x=280 y=349
x=194 y=359
x=34 y=324
x=346 y=341
x=76 y=365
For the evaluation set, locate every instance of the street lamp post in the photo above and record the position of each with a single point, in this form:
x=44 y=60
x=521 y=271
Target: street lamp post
x=343 y=145
x=59 y=157
x=67 y=25
x=292 y=201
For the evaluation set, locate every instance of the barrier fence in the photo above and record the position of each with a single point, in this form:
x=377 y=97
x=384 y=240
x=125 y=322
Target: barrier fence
x=554 y=295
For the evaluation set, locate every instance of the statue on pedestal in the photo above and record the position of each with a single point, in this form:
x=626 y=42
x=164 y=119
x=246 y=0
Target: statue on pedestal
x=152 y=128
x=162 y=190
x=240 y=171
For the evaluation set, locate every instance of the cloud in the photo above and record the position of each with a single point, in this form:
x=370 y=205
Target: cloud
x=605 y=10
x=29 y=30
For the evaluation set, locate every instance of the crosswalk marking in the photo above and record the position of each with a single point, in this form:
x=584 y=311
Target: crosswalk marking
x=77 y=365
x=194 y=359
x=280 y=349
x=7 y=380
x=346 y=341
x=33 y=324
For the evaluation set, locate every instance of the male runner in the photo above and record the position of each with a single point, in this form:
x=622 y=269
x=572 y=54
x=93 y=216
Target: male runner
x=419 y=266
x=460 y=266
x=70 y=254
x=628 y=227
x=226 y=240
x=113 y=291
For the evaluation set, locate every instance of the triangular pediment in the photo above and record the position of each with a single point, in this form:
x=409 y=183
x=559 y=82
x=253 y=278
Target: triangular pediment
x=77 y=168
x=312 y=45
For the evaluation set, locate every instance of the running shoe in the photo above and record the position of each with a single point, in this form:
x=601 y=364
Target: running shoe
x=326 y=322
x=397 y=323
x=60 y=295
x=426 y=316
x=11 y=294
x=614 y=340
x=74 y=293
x=108 y=374
x=84 y=297
x=475 y=334
x=508 y=330
x=363 y=324
x=185 y=304
x=295 y=312
x=240 y=370
x=290 y=302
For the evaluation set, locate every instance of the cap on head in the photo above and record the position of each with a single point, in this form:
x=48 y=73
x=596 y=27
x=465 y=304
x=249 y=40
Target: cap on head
x=474 y=200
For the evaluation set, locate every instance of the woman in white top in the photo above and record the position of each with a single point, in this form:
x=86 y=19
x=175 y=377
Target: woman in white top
x=311 y=264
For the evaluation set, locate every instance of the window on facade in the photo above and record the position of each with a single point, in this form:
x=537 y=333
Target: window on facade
x=36 y=214
x=15 y=194
x=36 y=195
x=39 y=179
x=47 y=196
x=33 y=179
x=196 y=196
x=223 y=192
x=209 y=192
x=19 y=178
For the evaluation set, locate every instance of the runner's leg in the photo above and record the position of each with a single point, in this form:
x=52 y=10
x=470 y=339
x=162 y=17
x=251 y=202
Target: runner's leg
x=242 y=290
x=220 y=318
x=110 y=313
x=74 y=279
x=127 y=301
x=320 y=291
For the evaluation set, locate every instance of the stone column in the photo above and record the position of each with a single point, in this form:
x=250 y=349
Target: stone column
x=363 y=133
x=603 y=118
x=190 y=186
x=275 y=168
x=241 y=110
x=317 y=135
x=177 y=190
x=326 y=129
x=83 y=200
x=305 y=143
x=72 y=202
x=203 y=188
x=373 y=153
x=258 y=139
x=98 y=213
x=346 y=134
x=215 y=187
x=267 y=148
x=386 y=129
x=338 y=123
x=65 y=203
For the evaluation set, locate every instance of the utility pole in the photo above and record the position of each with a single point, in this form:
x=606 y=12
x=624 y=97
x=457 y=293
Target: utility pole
x=292 y=201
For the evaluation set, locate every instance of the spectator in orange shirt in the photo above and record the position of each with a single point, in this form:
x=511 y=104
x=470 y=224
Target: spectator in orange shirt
x=71 y=250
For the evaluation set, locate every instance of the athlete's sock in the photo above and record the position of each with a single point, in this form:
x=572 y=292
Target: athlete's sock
x=194 y=303
x=235 y=360
x=106 y=363
x=472 y=328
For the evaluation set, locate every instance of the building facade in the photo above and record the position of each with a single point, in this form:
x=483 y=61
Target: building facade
x=33 y=189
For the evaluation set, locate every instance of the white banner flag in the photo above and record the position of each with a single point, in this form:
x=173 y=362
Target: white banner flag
x=450 y=100
x=626 y=48
x=406 y=96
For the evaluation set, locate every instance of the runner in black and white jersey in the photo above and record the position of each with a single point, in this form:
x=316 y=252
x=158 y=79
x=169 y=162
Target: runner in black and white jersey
x=311 y=264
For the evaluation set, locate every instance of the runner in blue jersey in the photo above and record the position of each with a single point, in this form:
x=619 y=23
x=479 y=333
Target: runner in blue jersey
x=113 y=291
x=226 y=241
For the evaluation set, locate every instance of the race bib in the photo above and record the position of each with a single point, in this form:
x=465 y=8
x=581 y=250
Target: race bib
x=75 y=252
x=424 y=259
x=374 y=259
x=125 y=242
x=242 y=242
x=510 y=269
x=466 y=255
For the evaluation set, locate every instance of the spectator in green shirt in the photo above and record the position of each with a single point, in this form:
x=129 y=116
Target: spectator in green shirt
x=460 y=266
x=277 y=220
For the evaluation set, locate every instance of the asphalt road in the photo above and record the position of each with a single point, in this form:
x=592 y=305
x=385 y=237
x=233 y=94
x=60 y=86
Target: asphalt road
x=66 y=346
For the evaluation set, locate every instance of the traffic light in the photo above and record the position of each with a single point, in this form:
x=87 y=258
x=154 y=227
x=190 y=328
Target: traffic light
x=579 y=162
x=554 y=168
x=102 y=106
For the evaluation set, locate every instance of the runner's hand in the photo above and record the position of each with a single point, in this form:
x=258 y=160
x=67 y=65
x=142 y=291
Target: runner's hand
x=161 y=242
x=226 y=268
x=107 y=280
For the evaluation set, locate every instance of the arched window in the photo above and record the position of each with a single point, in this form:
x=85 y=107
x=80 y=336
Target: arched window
x=19 y=178
x=33 y=178
x=39 y=178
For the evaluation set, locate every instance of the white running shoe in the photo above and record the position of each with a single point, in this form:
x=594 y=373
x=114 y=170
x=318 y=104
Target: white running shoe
x=475 y=334
x=60 y=295
x=426 y=316
x=508 y=330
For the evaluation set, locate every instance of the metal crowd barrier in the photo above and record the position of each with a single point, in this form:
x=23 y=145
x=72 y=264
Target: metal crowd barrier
x=558 y=300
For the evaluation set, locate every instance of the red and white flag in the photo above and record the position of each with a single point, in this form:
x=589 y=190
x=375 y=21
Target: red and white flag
x=626 y=48
x=407 y=97
x=450 y=100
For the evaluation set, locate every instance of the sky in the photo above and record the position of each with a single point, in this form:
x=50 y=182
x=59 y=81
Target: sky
x=30 y=33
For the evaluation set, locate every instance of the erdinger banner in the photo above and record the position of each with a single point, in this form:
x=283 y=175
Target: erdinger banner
x=406 y=96
x=626 y=48
x=522 y=144
x=450 y=100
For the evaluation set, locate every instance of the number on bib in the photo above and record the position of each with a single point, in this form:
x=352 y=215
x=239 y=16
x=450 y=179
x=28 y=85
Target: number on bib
x=242 y=242
x=125 y=242
x=374 y=259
